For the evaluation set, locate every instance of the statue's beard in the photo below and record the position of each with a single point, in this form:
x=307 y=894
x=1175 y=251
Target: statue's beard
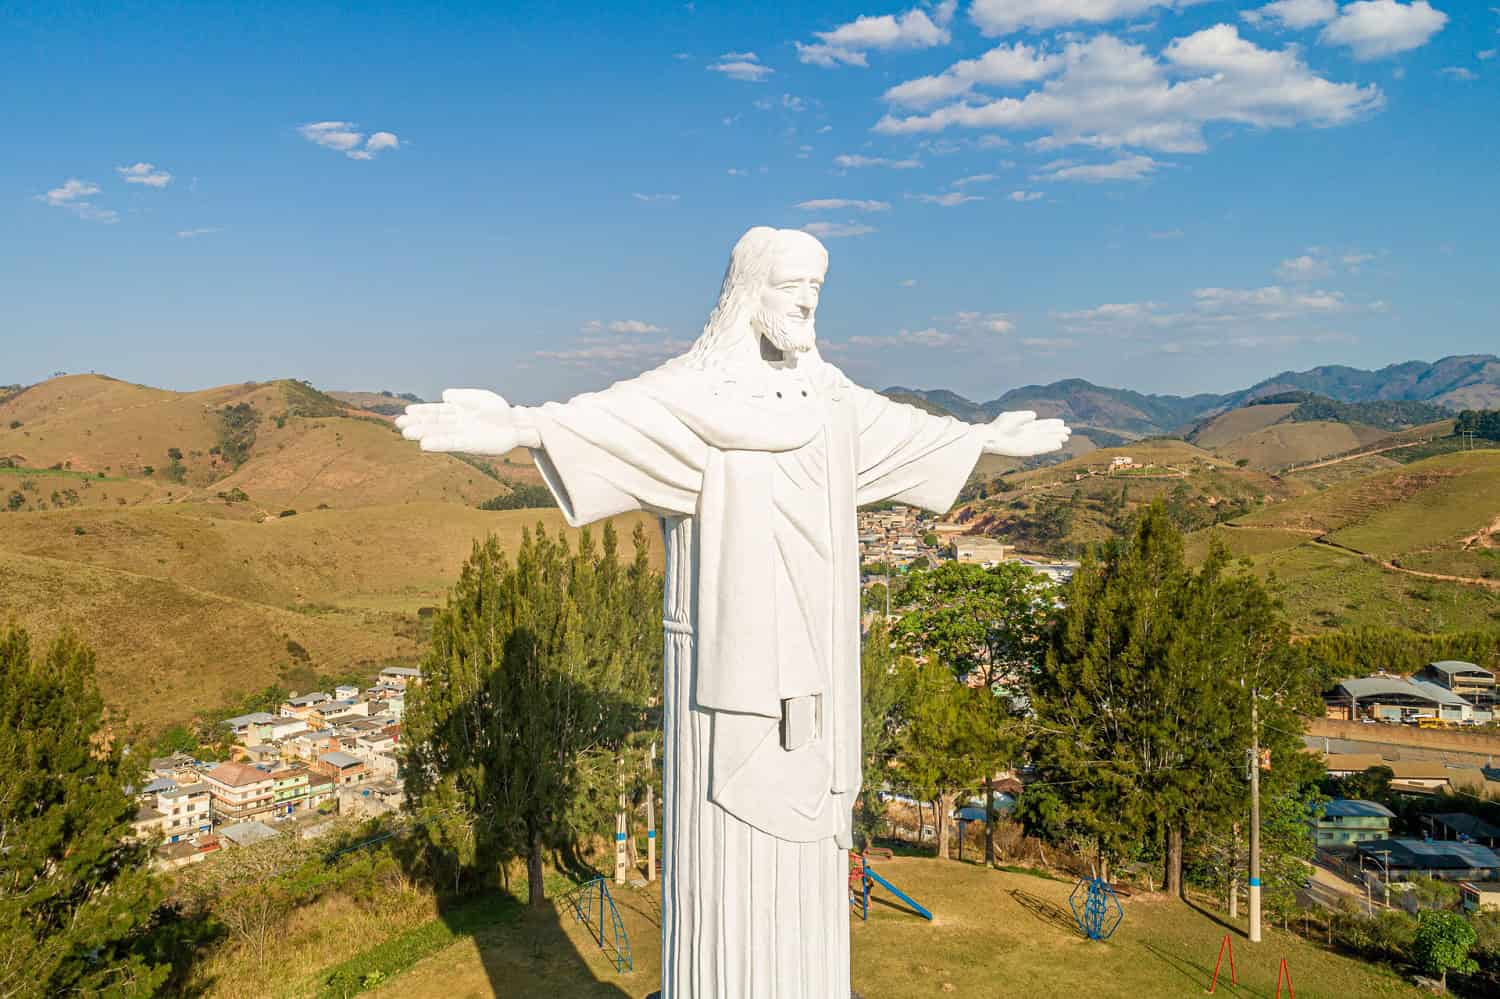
x=787 y=337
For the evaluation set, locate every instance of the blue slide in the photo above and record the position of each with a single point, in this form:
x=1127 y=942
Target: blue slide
x=882 y=882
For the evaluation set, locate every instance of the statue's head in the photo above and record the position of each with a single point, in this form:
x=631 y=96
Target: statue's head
x=769 y=298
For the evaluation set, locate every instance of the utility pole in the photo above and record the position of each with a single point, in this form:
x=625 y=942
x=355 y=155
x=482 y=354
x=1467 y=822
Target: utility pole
x=1254 y=818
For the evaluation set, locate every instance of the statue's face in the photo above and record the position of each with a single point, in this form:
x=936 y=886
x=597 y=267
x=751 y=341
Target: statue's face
x=789 y=301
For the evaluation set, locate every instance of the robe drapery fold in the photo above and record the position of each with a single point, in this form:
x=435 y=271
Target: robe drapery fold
x=771 y=464
x=756 y=475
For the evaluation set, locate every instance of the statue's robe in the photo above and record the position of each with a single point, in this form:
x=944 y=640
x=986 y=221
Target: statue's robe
x=756 y=474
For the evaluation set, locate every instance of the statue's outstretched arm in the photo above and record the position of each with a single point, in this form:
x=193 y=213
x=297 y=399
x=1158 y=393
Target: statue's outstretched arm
x=473 y=421
x=1021 y=435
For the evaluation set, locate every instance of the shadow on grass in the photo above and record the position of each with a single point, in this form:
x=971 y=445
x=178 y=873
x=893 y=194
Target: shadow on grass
x=1215 y=917
x=1200 y=975
x=1047 y=912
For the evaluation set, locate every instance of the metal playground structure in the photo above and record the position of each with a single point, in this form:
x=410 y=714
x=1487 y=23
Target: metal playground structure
x=862 y=877
x=592 y=905
x=1093 y=912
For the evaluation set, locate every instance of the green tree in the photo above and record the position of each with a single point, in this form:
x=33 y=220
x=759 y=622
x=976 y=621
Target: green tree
x=76 y=899
x=1142 y=713
x=880 y=692
x=1442 y=944
x=990 y=627
x=540 y=671
x=942 y=747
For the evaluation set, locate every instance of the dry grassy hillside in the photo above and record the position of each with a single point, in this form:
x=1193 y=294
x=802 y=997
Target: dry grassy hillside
x=1287 y=444
x=1237 y=423
x=194 y=609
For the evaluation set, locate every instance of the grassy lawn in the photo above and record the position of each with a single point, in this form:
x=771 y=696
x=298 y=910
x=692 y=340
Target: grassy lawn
x=995 y=934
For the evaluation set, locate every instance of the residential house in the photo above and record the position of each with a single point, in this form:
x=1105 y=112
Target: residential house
x=1345 y=764
x=1480 y=896
x=171 y=766
x=369 y=800
x=345 y=692
x=240 y=726
x=239 y=792
x=246 y=833
x=332 y=711
x=302 y=706
x=1420 y=776
x=278 y=729
x=187 y=812
x=1404 y=859
x=289 y=789
x=396 y=706
x=1345 y=822
x=1461 y=826
x=344 y=768
x=320 y=789
x=1392 y=698
x=981 y=550
x=1472 y=682
x=170 y=856
x=402 y=676
x=267 y=752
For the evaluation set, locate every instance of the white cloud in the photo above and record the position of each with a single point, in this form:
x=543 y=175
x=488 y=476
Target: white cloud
x=1459 y=73
x=1110 y=313
x=609 y=354
x=906 y=338
x=71 y=191
x=200 y=231
x=737 y=172
x=1048 y=343
x=1114 y=94
x=633 y=326
x=1025 y=195
x=908 y=283
x=1003 y=65
x=1294 y=14
x=1270 y=303
x=855 y=161
x=837 y=204
x=948 y=199
x=847 y=44
x=978 y=178
x=655 y=197
x=837 y=230
x=1485 y=55
x=71 y=196
x=144 y=173
x=1001 y=17
x=1304 y=268
x=346 y=137
x=742 y=66
x=1354 y=261
x=1134 y=167
x=985 y=322
x=1166 y=234
x=1376 y=28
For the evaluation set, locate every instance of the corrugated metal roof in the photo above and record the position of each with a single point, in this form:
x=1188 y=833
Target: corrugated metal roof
x=1430 y=854
x=1352 y=807
x=1393 y=686
x=1452 y=666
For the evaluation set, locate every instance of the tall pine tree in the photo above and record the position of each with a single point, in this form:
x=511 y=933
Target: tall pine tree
x=540 y=672
x=76 y=899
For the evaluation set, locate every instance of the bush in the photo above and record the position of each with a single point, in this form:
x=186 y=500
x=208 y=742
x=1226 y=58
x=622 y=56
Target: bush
x=15 y=424
x=287 y=513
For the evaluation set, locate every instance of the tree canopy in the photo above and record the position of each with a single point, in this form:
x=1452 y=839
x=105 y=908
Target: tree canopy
x=541 y=670
x=76 y=900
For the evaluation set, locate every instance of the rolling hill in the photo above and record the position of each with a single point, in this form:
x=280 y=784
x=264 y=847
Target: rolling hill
x=1452 y=383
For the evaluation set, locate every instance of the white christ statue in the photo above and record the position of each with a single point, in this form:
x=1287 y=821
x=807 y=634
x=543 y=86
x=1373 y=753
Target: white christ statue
x=754 y=452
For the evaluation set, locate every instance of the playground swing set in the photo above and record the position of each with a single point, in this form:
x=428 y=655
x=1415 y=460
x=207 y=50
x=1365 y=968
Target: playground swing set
x=1226 y=946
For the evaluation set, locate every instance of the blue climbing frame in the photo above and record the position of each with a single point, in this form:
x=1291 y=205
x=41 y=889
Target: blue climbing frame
x=594 y=907
x=1093 y=915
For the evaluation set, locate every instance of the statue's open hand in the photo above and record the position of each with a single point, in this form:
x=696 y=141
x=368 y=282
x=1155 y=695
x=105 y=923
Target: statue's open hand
x=473 y=421
x=1022 y=435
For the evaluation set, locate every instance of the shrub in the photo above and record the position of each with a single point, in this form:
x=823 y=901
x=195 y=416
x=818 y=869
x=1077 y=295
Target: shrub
x=15 y=424
x=287 y=513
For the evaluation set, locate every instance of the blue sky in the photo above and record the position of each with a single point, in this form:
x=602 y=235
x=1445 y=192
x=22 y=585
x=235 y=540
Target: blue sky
x=1167 y=196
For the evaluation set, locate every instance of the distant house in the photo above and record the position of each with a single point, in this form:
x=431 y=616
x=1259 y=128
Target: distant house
x=1420 y=776
x=1345 y=764
x=1480 y=896
x=239 y=792
x=981 y=550
x=242 y=725
x=246 y=833
x=345 y=691
x=1392 y=698
x=332 y=711
x=1404 y=859
x=396 y=706
x=187 y=812
x=1461 y=826
x=1472 y=682
x=301 y=706
x=277 y=729
x=368 y=800
x=402 y=676
x=1345 y=822
x=289 y=789
x=342 y=767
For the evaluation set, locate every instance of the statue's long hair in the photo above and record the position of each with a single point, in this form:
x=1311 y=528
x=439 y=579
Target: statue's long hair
x=748 y=271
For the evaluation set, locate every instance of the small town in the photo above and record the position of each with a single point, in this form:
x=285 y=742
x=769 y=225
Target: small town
x=320 y=756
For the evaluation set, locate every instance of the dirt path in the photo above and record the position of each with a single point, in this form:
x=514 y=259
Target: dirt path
x=1489 y=584
x=1484 y=537
x=1352 y=457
